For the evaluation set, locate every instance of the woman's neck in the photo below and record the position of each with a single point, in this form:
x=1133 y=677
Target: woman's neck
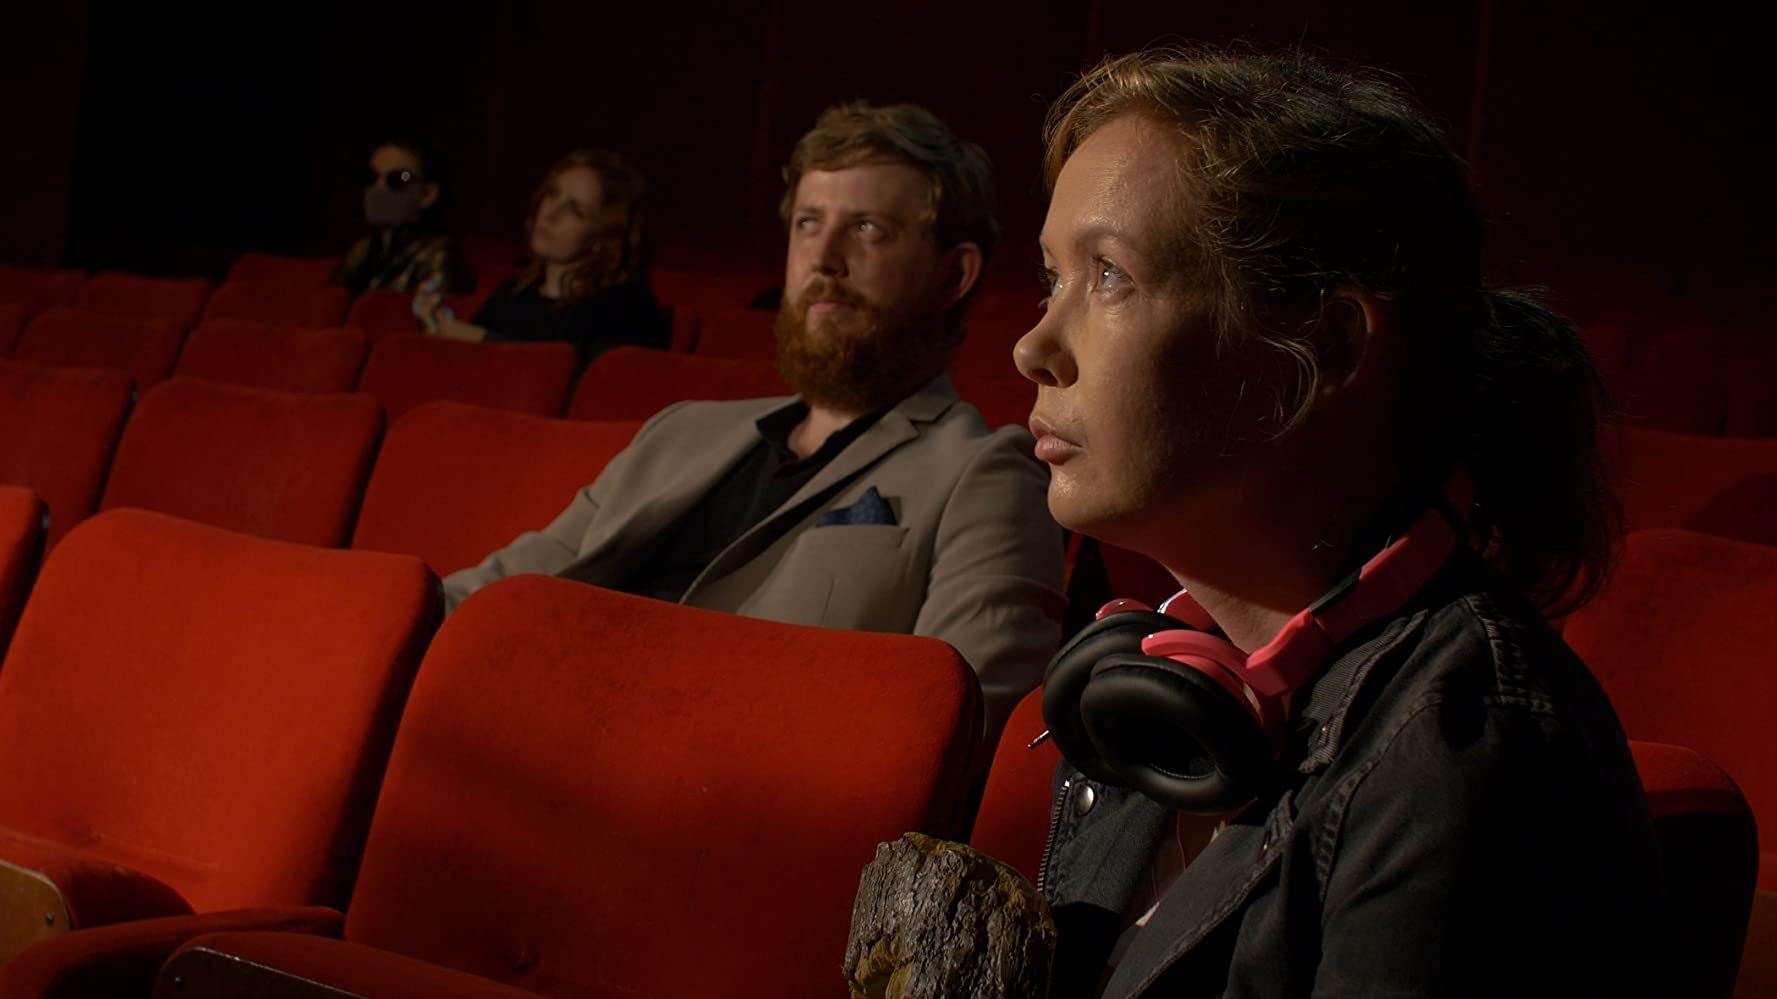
x=554 y=275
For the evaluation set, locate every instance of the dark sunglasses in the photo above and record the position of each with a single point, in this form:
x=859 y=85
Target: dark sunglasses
x=394 y=180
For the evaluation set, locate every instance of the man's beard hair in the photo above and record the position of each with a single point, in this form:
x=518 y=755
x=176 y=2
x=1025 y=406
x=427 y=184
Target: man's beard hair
x=860 y=361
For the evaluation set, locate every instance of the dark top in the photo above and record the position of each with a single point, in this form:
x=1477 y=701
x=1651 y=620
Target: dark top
x=1460 y=817
x=624 y=314
x=761 y=481
x=402 y=260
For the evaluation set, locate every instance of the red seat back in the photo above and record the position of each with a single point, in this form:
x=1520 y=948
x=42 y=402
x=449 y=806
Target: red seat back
x=1713 y=485
x=1012 y=824
x=589 y=779
x=178 y=299
x=61 y=427
x=22 y=517
x=1709 y=852
x=1683 y=639
x=634 y=383
x=146 y=348
x=508 y=473
x=287 y=358
x=404 y=371
x=279 y=303
x=711 y=291
x=293 y=272
x=382 y=313
x=734 y=332
x=280 y=465
x=12 y=326
x=210 y=709
x=1003 y=402
x=37 y=288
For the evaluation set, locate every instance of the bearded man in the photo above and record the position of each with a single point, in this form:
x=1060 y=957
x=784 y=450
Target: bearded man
x=873 y=499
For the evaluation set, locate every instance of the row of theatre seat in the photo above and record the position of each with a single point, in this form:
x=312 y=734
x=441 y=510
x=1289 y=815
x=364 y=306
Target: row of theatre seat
x=571 y=792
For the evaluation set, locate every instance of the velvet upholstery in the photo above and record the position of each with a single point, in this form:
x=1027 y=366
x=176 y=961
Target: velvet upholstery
x=291 y=359
x=61 y=428
x=404 y=371
x=278 y=303
x=117 y=294
x=146 y=347
x=206 y=710
x=280 y=465
x=454 y=482
x=634 y=383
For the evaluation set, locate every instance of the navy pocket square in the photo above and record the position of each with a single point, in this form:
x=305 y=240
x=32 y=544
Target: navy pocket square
x=871 y=508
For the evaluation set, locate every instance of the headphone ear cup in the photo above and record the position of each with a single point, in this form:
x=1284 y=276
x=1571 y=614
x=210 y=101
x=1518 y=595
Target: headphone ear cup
x=1165 y=729
x=1070 y=672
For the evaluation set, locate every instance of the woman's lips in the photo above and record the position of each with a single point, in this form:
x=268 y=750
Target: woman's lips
x=1051 y=447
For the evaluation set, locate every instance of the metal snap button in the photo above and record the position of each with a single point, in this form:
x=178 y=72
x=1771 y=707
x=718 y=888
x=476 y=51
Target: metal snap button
x=1084 y=801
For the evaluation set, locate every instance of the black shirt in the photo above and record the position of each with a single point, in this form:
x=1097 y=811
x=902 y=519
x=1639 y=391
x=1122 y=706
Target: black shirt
x=763 y=480
x=624 y=314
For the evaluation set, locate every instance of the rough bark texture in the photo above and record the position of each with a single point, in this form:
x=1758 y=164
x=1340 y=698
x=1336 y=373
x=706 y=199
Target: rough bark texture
x=937 y=920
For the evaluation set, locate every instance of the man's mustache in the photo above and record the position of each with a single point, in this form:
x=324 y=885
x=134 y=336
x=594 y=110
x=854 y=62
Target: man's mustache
x=825 y=290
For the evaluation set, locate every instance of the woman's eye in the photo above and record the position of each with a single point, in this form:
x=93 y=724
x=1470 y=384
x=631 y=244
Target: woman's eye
x=1109 y=275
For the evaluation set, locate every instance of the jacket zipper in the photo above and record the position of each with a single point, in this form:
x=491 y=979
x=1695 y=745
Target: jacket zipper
x=1067 y=786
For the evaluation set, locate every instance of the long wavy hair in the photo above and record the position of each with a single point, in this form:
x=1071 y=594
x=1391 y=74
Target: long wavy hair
x=623 y=253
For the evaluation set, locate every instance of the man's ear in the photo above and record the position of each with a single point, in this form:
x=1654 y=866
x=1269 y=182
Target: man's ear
x=961 y=268
x=1349 y=333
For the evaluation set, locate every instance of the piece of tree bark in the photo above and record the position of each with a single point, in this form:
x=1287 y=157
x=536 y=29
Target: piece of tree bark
x=938 y=920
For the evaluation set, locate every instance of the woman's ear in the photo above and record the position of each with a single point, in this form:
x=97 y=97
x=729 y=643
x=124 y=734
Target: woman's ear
x=1348 y=335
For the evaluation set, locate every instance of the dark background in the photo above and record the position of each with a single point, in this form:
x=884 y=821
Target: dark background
x=1620 y=150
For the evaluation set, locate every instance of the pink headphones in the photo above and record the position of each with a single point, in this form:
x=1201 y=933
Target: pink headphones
x=1144 y=700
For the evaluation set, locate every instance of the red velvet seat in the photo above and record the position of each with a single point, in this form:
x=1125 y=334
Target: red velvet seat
x=383 y=313
x=508 y=473
x=279 y=303
x=734 y=332
x=195 y=720
x=61 y=427
x=12 y=326
x=994 y=324
x=1709 y=850
x=144 y=347
x=1712 y=485
x=294 y=272
x=711 y=291
x=1003 y=402
x=22 y=517
x=405 y=371
x=488 y=256
x=280 y=465
x=180 y=300
x=634 y=383
x=38 y=288
x=585 y=782
x=1684 y=639
x=1012 y=823
x=287 y=358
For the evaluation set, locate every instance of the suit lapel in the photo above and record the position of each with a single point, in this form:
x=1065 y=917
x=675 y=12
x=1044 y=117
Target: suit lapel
x=897 y=427
x=607 y=558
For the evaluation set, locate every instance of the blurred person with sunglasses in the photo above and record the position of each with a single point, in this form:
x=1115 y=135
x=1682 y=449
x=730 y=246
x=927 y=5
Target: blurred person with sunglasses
x=403 y=251
x=587 y=282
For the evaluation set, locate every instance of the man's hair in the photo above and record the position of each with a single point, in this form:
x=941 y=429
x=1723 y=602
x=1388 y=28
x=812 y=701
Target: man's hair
x=1299 y=179
x=958 y=174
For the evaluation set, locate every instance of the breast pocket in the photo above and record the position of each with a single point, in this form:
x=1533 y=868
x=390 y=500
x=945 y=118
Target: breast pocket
x=868 y=575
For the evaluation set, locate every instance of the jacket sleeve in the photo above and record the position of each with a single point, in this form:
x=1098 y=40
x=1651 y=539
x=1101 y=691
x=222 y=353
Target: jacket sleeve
x=1488 y=851
x=995 y=589
x=558 y=544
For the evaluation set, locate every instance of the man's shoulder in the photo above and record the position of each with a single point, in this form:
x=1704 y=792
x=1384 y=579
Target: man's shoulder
x=962 y=429
x=695 y=416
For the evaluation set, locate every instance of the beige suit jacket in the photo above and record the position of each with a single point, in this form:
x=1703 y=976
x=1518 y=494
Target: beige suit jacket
x=973 y=559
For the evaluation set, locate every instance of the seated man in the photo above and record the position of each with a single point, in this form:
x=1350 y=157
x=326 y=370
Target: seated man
x=874 y=499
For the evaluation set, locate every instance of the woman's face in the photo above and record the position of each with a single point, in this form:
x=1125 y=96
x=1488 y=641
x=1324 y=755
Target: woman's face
x=1145 y=423
x=570 y=217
